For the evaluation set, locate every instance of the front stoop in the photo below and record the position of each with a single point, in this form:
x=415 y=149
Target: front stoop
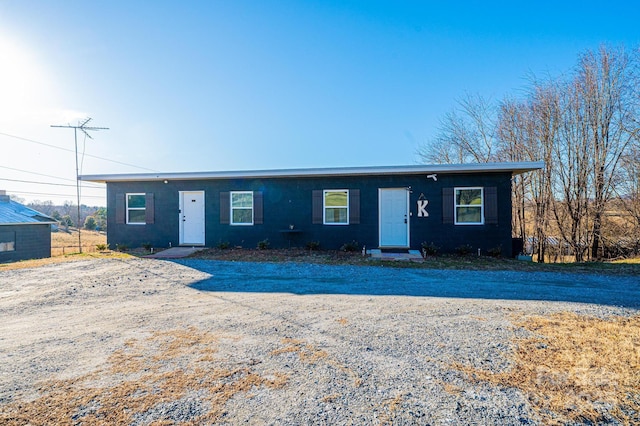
x=409 y=255
x=175 y=253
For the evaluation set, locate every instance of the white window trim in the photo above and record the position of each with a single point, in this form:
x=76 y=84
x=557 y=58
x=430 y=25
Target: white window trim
x=231 y=208
x=324 y=207
x=456 y=205
x=127 y=209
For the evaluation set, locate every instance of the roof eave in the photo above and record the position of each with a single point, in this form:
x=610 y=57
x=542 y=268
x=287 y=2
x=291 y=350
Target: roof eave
x=28 y=223
x=514 y=168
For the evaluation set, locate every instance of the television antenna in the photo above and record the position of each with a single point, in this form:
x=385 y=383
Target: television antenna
x=85 y=129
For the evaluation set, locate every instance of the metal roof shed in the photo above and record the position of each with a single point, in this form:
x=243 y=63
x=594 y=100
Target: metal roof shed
x=24 y=233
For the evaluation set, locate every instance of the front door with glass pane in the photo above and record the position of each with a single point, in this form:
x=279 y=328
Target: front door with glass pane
x=191 y=218
x=394 y=217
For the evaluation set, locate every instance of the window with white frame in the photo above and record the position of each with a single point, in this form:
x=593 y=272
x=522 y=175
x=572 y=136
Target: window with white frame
x=241 y=208
x=136 y=209
x=469 y=206
x=7 y=241
x=336 y=207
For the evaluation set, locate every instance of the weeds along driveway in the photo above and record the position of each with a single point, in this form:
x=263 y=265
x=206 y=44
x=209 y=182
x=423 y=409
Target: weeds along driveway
x=301 y=278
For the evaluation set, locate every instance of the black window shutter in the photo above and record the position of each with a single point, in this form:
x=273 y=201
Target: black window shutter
x=354 y=206
x=490 y=205
x=447 y=205
x=120 y=213
x=149 y=208
x=258 y=214
x=317 y=206
x=225 y=208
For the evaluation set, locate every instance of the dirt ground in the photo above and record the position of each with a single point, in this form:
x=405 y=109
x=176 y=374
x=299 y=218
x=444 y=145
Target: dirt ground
x=137 y=341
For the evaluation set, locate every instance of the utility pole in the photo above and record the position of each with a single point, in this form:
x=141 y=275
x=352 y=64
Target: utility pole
x=82 y=126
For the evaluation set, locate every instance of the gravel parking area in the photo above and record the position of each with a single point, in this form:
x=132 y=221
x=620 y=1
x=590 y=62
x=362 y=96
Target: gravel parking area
x=136 y=341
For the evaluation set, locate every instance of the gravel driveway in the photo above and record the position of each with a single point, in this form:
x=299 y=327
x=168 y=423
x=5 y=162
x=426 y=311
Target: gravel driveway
x=259 y=343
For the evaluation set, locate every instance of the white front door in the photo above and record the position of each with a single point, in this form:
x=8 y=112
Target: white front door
x=394 y=217
x=191 y=218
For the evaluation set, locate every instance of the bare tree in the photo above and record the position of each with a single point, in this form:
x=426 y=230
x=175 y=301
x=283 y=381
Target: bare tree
x=514 y=132
x=546 y=115
x=628 y=190
x=603 y=84
x=573 y=167
x=528 y=131
x=467 y=134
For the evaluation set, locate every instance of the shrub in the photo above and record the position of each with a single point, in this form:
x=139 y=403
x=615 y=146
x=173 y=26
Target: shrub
x=350 y=247
x=102 y=247
x=429 y=249
x=223 y=245
x=66 y=222
x=313 y=245
x=264 y=244
x=90 y=223
x=146 y=246
x=122 y=247
x=495 y=251
x=464 y=249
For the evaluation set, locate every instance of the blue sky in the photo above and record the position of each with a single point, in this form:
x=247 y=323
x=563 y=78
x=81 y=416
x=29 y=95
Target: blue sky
x=234 y=85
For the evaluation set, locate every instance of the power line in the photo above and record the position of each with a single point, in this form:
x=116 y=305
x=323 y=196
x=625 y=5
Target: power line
x=49 y=183
x=70 y=150
x=36 y=173
x=52 y=195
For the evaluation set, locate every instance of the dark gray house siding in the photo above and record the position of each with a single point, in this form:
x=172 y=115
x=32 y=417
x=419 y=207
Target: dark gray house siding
x=281 y=203
x=30 y=241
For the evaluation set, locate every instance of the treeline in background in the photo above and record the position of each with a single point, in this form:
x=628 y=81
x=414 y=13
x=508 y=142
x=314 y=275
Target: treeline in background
x=585 y=126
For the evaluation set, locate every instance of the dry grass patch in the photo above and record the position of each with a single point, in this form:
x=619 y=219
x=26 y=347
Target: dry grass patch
x=477 y=318
x=576 y=368
x=161 y=379
x=312 y=355
x=632 y=261
x=35 y=263
x=450 y=388
x=63 y=242
x=331 y=398
x=390 y=407
x=307 y=353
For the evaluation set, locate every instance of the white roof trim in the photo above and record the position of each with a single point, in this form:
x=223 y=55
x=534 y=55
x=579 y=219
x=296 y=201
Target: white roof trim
x=514 y=168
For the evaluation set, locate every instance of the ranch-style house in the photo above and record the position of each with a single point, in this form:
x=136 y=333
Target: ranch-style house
x=387 y=207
